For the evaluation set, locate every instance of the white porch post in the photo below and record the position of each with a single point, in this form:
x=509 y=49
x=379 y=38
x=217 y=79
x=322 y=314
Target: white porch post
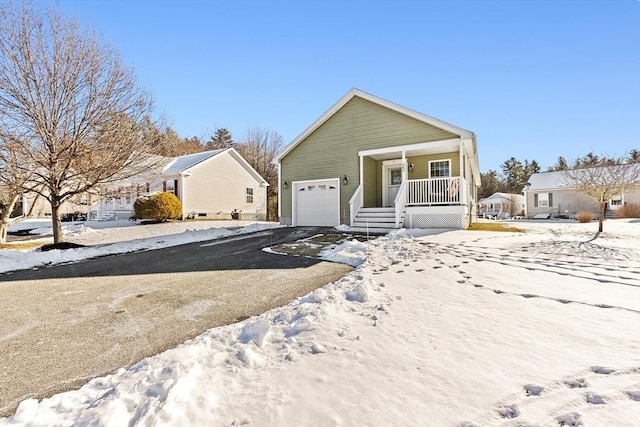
x=405 y=174
x=361 y=183
x=463 y=175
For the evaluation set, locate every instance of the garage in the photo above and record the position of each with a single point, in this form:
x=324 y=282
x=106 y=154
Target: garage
x=316 y=203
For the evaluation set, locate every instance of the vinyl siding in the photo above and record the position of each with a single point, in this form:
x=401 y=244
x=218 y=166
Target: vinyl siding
x=218 y=186
x=331 y=151
x=563 y=202
x=421 y=164
x=370 y=195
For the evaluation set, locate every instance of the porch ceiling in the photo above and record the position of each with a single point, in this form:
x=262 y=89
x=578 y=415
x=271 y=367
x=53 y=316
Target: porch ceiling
x=414 y=150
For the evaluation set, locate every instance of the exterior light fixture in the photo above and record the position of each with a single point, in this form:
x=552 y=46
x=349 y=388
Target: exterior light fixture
x=345 y=180
x=410 y=167
x=286 y=184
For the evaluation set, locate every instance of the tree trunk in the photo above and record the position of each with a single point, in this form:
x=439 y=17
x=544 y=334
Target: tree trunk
x=4 y=219
x=4 y=227
x=55 y=221
x=602 y=205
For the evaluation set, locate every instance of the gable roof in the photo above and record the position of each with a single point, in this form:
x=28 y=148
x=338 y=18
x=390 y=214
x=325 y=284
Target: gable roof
x=182 y=164
x=545 y=181
x=556 y=180
x=502 y=198
x=379 y=101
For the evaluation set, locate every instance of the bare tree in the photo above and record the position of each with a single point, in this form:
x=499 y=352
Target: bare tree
x=259 y=148
x=78 y=106
x=14 y=177
x=513 y=205
x=601 y=183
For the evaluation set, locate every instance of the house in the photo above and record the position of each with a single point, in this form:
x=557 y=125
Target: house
x=547 y=193
x=210 y=185
x=376 y=165
x=501 y=206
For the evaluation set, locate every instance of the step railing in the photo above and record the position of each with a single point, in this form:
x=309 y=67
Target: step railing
x=355 y=204
x=400 y=202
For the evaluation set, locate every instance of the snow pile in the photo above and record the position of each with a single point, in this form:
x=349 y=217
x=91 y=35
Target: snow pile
x=458 y=328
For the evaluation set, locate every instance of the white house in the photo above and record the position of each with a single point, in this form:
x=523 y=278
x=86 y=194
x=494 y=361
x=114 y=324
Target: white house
x=210 y=185
x=501 y=205
x=548 y=194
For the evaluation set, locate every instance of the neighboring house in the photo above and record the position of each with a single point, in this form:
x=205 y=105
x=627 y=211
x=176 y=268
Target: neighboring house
x=210 y=185
x=376 y=165
x=501 y=206
x=547 y=193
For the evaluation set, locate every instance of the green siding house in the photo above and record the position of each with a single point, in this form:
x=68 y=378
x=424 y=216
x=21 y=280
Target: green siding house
x=372 y=164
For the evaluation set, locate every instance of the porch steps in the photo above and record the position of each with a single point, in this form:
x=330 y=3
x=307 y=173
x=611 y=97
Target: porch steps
x=375 y=220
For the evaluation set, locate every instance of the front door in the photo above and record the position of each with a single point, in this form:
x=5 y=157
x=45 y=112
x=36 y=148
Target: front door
x=394 y=179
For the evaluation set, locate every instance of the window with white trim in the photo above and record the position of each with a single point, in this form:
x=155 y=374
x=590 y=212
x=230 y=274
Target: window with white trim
x=543 y=200
x=249 y=195
x=439 y=168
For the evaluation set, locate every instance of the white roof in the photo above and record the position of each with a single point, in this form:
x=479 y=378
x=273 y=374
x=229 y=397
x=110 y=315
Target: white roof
x=463 y=133
x=502 y=198
x=182 y=163
x=546 y=181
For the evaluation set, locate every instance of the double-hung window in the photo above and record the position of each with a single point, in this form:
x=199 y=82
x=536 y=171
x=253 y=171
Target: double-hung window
x=249 y=195
x=543 y=200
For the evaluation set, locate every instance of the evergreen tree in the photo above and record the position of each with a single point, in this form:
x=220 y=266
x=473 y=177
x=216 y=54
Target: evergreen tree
x=221 y=139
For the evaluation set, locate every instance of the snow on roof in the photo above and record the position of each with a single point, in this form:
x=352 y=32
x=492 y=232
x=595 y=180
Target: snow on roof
x=546 y=181
x=182 y=163
x=502 y=198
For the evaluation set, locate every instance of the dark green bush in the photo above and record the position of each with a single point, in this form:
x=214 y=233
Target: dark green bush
x=158 y=206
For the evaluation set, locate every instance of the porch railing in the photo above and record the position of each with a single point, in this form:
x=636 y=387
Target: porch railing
x=435 y=191
x=355 y=203
x=400 y=202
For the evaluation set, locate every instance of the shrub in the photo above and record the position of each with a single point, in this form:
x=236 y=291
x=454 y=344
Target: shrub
x=584 y=216
x=158 y=206
x=629 y=210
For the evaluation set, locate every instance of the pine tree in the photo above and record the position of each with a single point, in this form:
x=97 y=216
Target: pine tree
x=221 y=139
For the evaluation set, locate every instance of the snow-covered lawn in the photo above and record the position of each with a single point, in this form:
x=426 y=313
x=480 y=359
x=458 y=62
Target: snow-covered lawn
x=455 y=328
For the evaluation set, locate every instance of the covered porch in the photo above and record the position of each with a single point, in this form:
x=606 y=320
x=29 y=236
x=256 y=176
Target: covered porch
x=417 y=185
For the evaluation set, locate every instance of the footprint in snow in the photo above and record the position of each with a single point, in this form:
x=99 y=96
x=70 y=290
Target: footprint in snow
x=461 y=281
x=572 y=419
x=579 y=383
x=418 y=270
x=602 y=370
x=509 y=411
x=533 y=390
x=633 y=395
x=437 y=266
x=594 y=399
x=529 y=295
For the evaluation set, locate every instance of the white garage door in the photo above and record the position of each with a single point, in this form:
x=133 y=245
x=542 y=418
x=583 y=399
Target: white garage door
x=317 y=202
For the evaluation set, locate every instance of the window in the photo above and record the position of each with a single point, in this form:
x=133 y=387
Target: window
x=249 y=195
x=543 y=200
x=616 y=201
x=440 y=168
x=169 y=187
x=396 y=176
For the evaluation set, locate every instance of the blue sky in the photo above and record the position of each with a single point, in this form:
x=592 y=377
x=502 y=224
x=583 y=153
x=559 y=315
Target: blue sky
x=533 y=79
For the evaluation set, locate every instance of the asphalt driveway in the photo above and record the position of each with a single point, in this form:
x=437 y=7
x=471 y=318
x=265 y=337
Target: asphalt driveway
x=63 y=325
